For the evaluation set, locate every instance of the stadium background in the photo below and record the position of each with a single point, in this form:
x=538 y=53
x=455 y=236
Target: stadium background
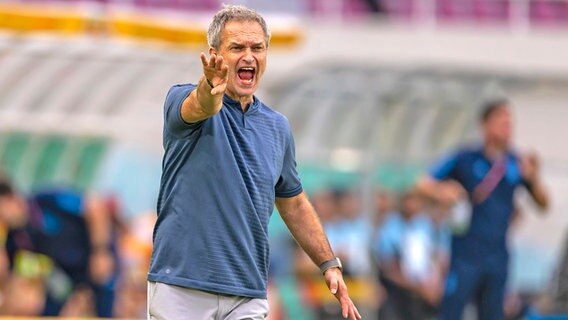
x=373 y=98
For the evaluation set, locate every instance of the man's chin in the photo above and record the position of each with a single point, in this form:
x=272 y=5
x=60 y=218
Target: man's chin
x=242 y=92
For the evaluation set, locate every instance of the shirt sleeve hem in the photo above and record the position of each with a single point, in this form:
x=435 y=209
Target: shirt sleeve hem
x=290 y=193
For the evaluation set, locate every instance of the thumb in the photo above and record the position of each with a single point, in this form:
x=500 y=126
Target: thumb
x=333 y=284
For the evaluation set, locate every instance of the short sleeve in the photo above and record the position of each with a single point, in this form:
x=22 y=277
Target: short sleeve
x=445 y=167
x=173 y=121
x=289 y=184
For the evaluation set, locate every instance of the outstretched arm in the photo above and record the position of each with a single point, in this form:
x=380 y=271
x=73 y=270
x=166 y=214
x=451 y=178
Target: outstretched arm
x=446 y=192
x=304 y=224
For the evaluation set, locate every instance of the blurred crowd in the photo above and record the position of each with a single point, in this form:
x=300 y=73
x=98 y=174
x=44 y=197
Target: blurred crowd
x=394 y=257
x=395 y=253
x=73 y=254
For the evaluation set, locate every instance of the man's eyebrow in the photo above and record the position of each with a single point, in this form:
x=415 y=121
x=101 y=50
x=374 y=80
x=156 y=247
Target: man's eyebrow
x=238 y=44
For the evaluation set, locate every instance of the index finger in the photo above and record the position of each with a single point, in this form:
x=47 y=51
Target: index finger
x=204 y=59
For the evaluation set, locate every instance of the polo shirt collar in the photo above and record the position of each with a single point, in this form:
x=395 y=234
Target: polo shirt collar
x=236 y=104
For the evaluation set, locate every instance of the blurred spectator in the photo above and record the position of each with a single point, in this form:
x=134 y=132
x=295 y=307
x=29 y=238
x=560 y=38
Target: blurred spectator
x=481 y=181
x=135 y=249
x=442 y=235
x=349 y=234
x=324 y=204
x=406 y=250
x=384 y=204
x=58 y=243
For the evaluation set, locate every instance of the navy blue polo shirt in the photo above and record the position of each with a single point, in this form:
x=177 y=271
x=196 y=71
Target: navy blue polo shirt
x=487 y=233
x=219 y=181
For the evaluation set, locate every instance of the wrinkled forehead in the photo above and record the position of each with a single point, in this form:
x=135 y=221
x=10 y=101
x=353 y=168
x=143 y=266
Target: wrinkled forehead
x=243 y=32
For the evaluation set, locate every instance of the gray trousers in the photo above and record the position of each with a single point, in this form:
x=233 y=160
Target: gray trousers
x=168 y=302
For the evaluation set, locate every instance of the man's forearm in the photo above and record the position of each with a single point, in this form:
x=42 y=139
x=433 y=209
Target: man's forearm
x=201 y=104
x=98 y=223
x=539 y=193
x=429 y=188
x=305 y=226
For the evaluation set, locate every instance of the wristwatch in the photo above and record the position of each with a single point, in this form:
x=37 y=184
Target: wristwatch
x=333 y=263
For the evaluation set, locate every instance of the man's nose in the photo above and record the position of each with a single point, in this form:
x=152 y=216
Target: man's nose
x=248 y=57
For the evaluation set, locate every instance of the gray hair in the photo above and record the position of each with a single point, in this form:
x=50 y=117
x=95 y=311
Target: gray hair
x=233 y=13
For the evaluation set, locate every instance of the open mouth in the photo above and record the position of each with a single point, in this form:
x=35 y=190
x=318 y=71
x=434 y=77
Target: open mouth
x=246 y=74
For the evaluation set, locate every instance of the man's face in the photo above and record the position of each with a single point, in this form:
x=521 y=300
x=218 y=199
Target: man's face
x=498 y=128
x=243 y=48
x=349 y=205
x=411 y=205
x=13 y=211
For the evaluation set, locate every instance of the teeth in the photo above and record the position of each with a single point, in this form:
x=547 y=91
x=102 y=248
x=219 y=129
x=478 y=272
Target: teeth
x=247 y=68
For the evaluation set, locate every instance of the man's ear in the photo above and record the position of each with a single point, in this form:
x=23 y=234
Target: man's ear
x=212 y=51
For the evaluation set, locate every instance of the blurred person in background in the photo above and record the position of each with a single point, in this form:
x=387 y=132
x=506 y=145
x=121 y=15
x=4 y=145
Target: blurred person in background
x=406 y=252
x=135 y=249
x=479 y=182
x=384 y=204
x=324 y=204
x=442 y=234
x=349 y=234
x=59 y=243
x=228 y=160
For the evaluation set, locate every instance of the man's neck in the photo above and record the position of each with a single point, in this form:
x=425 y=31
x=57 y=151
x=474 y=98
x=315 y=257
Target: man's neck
x=245 y=101
x=494 y=150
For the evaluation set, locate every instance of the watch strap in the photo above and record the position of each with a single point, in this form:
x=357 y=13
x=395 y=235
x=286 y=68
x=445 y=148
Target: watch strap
x=332 y=263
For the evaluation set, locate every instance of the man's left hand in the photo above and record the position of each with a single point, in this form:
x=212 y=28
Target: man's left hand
x=336 y=284
x=529 y=166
